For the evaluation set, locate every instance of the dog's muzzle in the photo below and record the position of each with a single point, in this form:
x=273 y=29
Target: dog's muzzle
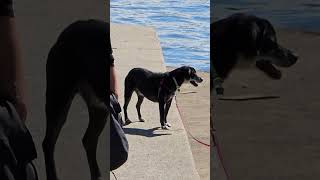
x=196 y=80
x=285 y=57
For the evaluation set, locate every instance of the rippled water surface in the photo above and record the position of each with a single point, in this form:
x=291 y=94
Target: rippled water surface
x=182 y=26
x=296 y=14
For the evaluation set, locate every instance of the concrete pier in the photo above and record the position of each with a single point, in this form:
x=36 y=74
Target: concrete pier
x=154 y=153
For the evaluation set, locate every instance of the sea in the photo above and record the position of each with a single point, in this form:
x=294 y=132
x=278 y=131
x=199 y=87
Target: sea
x=183 y=26
x=301 y=15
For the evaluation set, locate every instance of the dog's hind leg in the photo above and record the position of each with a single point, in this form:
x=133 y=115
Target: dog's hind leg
x=97 y=120
x=166 y=110
x=138 y=106
x=127 y=97
x=57 y=107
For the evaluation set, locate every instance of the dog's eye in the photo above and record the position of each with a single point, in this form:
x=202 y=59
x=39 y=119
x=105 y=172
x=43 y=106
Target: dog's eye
x=269 y=45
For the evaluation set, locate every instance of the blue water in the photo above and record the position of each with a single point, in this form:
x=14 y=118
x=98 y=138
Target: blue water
x=294 y=14
x=183 y=27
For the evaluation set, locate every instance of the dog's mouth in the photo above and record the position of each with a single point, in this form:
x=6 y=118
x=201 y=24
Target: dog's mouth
x=268 y=68
x=194 y=83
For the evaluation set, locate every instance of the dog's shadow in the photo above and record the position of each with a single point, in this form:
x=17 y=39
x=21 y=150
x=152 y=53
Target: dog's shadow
x=144 y=132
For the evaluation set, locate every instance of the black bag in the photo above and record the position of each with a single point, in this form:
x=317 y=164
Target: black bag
x=119 y=146
x=17 y=149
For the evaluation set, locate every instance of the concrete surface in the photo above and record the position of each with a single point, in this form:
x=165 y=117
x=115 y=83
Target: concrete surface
x=154 y=153
x=39 y=23
x=275 y=139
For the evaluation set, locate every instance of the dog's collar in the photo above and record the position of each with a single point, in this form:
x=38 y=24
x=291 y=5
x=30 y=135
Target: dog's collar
x=176 y=83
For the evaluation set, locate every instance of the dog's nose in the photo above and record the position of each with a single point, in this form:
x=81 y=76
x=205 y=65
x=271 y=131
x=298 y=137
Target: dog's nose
x=200 y=79
x=294 y=58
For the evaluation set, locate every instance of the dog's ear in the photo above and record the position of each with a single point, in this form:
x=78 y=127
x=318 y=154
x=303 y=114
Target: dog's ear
x=266 y=31
x=267 y=37
x=255 y=32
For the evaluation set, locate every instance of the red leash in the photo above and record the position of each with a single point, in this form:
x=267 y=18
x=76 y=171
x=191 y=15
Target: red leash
x=187 y=129
x=214 y=139
x=219 y=152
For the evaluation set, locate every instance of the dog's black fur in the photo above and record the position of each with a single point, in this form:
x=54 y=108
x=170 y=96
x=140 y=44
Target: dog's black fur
x=245 y=39
x=157 y=87
x=77 y=63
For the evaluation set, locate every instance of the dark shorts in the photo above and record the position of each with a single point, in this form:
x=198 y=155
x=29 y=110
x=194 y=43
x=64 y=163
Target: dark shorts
x=16 y=144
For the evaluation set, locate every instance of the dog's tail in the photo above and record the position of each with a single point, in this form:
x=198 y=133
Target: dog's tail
x=128 y=85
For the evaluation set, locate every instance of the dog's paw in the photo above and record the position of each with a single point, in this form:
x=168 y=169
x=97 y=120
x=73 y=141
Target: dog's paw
x=141 y=120
x=220 y=91
x=99 y=178
x=165 y=127
x=127 y=122
x=168 y=124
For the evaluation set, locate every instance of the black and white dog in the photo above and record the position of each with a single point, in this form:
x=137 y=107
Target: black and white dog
x=157 y=87
x=242 y=40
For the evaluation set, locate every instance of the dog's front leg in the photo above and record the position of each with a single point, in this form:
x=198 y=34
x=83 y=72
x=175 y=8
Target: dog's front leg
x=162 y=114
x=217 y=84
x=166 y=110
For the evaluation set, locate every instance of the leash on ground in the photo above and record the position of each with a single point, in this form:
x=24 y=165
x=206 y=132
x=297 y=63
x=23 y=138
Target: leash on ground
x=114 y=175
x=187 y=129
x=219 y=152
x=248 y=98
x=215 y=142
x=217 y=79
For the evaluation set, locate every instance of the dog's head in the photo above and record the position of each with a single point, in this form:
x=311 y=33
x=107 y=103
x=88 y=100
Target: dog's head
x=190 y=75
x=269 y=52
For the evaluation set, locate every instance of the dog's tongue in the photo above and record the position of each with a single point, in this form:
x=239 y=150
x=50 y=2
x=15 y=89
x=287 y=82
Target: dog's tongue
x=269 y=69
x=194 y=83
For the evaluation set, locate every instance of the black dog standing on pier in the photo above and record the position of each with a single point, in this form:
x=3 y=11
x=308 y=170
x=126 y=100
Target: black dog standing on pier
x=78 y=64
x=157 y=87
x=242 y=41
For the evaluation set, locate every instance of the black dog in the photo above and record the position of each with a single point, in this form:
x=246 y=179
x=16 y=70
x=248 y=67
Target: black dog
x=157 y=87
x=241 y=40
x=77 y=63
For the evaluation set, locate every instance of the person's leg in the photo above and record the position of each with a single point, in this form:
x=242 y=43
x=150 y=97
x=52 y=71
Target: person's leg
x=11 y=74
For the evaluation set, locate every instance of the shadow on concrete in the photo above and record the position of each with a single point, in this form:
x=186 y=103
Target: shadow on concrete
x=144 y=132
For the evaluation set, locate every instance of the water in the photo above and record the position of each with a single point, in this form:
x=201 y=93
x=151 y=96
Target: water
x=295 y=14
x=183 y=27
